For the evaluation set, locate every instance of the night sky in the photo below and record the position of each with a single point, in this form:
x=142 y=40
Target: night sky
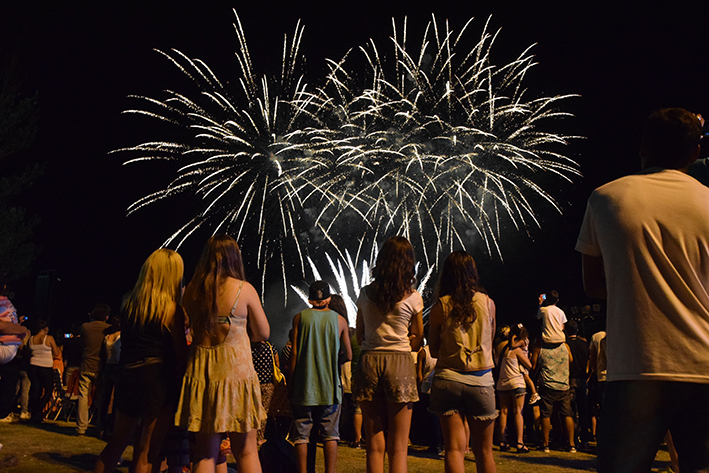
x=625 y=60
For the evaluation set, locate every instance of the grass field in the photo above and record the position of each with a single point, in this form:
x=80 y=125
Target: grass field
x=54 y=447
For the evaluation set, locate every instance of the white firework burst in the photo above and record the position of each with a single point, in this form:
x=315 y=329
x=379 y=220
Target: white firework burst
x=440 y=140
x=434 y=143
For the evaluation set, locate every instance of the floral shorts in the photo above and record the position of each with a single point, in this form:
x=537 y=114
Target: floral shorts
x=389 y=375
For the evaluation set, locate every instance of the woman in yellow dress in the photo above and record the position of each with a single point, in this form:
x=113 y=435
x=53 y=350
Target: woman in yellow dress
x=220 y=390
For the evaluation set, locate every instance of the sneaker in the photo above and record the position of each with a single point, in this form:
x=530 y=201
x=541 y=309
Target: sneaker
x=546 y=449
x=9 y=419
x=25 y=416
x=572 y=449
x=535 y=398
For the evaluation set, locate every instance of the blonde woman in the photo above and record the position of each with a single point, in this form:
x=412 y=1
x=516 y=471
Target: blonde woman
x=221 y=391
x=154 y=352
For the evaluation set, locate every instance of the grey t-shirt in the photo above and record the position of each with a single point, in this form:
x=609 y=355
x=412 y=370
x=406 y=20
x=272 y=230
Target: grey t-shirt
x=92 y=334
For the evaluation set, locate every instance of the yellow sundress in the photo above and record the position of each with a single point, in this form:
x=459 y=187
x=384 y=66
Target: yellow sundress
x=220 y=390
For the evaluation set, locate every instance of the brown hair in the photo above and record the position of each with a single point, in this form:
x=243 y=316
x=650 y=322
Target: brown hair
x=671 y=137
x=220 y=259
x=459 y=279
x=337 y=304
x=394 y=272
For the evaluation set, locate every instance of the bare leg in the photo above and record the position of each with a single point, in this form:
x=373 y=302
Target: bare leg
x=519 y=419
x=245 y=450
x=569 y=421
x=373 y=421
x=142 y=448
x=146 y=455
x=594 y=423
x=537 y=414
x=301 y=455
x=467 y=435
x=330 y=453
x=221 y=467
x=546 y=428
x=399 y=425
x=122 y=432
x=481 y=432
x=505 y=402
x=529 y=383
x=206 y=451
x=454 y=441
x=357 y=427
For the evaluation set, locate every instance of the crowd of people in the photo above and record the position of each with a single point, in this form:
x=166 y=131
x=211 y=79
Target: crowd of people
x=192 y=373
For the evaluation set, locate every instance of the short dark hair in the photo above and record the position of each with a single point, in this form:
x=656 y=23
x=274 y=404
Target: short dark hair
x=41 y=324
x=101 y=312
x=552 y=297
x=572 y=328
x=670 y=139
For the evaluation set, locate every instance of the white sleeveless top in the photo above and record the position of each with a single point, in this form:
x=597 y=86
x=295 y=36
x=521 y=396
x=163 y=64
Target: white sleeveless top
x=510 y=375
x=41 y=354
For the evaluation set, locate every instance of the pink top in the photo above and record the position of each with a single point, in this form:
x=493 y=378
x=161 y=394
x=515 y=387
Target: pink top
x=388 y=331
x=8 y=314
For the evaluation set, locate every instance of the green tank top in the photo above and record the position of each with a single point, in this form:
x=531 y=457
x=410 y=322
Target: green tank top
x=316 y=378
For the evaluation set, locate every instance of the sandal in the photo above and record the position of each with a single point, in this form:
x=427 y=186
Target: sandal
x=522 y=448
x=504 y=446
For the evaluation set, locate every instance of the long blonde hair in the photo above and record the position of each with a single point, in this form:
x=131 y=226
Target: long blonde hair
x=158 y=288
x=221 y=258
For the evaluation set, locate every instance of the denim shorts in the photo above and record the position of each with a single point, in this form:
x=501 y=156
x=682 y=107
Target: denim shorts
x=516 y=392
x=451 y=397
x=304 y=417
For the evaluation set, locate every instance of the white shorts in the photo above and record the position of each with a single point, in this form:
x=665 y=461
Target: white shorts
x=7 y=353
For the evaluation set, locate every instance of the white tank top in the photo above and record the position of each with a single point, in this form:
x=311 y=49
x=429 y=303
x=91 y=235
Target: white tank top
x=41 y=354
x=510 y=375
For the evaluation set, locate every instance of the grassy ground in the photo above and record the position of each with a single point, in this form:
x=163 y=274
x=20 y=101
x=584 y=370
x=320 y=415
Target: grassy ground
x=54 y=447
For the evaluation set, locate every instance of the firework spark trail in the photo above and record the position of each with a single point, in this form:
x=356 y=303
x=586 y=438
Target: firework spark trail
x=435 y=145
x=349 y=288
x=243 y=155
x=438 y=145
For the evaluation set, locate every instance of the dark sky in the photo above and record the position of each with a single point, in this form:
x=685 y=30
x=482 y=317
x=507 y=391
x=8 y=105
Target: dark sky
x=625 y=59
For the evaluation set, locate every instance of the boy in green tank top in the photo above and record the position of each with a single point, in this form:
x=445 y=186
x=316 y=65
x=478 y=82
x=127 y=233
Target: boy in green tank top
x=316 y=393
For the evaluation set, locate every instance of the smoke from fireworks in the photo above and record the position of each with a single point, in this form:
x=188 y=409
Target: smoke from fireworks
x=435 y=144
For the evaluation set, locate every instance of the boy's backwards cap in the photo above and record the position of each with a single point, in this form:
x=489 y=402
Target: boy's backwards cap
x=319 y=291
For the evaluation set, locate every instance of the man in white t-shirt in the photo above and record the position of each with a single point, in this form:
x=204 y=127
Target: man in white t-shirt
x=553 y=318
x=645 y=246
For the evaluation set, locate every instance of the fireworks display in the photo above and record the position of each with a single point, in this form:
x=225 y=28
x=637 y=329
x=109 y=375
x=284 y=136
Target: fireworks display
x=349 y=282
x=434 y=143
